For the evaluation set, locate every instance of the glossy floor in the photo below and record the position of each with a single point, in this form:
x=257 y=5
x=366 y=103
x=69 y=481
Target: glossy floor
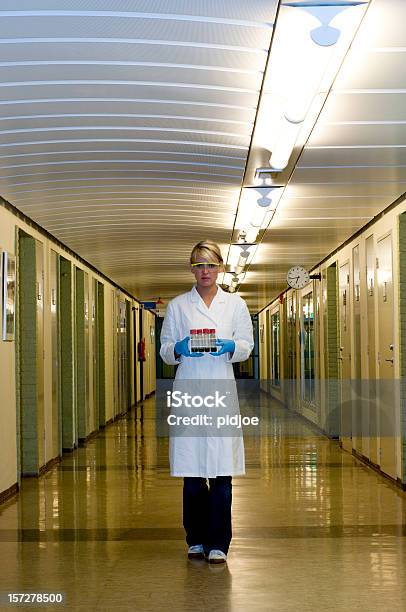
x=314 y=529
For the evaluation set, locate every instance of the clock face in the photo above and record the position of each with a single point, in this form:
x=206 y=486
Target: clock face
x=298 y=277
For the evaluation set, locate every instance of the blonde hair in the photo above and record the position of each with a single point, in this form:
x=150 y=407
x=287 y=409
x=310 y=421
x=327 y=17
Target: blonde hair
x=208 y=250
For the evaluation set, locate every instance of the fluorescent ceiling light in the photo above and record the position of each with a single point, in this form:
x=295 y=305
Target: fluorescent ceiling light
x=235 y=282
x=227 y=278
x=284 y=145
x=242 y=262
x=249 y=233
x=256 y=208
x=239 y=257
x=309 y=46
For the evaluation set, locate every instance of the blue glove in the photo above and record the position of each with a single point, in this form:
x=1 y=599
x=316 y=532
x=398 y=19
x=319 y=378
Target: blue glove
x=182 y=348
x=227 y=346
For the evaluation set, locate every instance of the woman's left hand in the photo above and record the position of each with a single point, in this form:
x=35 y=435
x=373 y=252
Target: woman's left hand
x=226 y=346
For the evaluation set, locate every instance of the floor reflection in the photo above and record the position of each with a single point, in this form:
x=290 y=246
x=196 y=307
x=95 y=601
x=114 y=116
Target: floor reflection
x=313 y=527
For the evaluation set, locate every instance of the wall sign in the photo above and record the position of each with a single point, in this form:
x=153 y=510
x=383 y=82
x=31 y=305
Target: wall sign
x=8 y=294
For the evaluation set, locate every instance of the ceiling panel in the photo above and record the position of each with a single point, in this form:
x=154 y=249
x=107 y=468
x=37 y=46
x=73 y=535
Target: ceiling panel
x=182 y=76
x=222 y=9
x=173 y=92
x=383 y=26
x=134 y=52
x=77 y=147
x=170 y=27
x=332 y=215
x=125 y=107
x=321 y=189
x=344 y=135
x=389 y=70
x=361 y=156
x=153 y=123
x=352 y=174
x=328 y=204
x=365 y=106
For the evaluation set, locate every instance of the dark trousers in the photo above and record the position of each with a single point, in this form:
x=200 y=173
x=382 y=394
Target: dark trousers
x=207 y=512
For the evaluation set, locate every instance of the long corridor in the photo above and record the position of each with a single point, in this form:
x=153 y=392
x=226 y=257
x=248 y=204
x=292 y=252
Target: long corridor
x=313 y=528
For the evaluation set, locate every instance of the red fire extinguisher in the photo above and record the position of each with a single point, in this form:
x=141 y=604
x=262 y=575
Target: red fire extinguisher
x=141 y=350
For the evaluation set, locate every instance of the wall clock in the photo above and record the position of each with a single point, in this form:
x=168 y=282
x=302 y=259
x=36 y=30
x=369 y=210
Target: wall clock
x=298 y=277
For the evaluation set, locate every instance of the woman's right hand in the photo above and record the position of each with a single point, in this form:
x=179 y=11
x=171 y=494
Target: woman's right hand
x=182 y=348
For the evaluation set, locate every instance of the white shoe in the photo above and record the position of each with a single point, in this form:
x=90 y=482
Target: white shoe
x=195 y=552
x=217 y=556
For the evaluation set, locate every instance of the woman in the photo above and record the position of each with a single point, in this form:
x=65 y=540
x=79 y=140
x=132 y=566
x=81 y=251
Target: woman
x=207 y=511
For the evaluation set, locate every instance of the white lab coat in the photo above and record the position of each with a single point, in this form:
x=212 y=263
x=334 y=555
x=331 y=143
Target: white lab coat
x=207 y=456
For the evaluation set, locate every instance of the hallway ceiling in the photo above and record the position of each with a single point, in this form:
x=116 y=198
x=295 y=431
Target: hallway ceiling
x=125 y=130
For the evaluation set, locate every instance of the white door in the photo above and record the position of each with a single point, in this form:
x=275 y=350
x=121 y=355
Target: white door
x=275 y=371
x=87 y=354
x=308 y=347
x=370 y=422
x=122 y=347
x=386 y=389
x=39 y=257
x=56 y=421
x=291 y=388
x=356 y=353
x=345 y=357
x=95 y=362
x=268 y=351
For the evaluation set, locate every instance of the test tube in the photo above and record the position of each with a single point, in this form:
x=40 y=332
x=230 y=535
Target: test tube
x=213 y=347
x=199 y=340
x=193 y=334
x=206 y=340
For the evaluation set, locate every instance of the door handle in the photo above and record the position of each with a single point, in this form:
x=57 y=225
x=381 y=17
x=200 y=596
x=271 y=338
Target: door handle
x=391 y=360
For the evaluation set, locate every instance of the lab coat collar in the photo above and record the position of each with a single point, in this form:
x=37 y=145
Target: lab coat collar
x=220 y=296
x=216 y=310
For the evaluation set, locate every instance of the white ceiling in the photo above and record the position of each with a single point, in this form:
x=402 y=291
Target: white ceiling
x=125 y=128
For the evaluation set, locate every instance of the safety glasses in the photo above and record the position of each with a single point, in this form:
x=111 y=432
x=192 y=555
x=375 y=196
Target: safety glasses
x=200 y=265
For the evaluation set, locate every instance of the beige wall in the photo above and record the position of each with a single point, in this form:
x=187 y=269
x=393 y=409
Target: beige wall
x=8 y=431
x=8 y=419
